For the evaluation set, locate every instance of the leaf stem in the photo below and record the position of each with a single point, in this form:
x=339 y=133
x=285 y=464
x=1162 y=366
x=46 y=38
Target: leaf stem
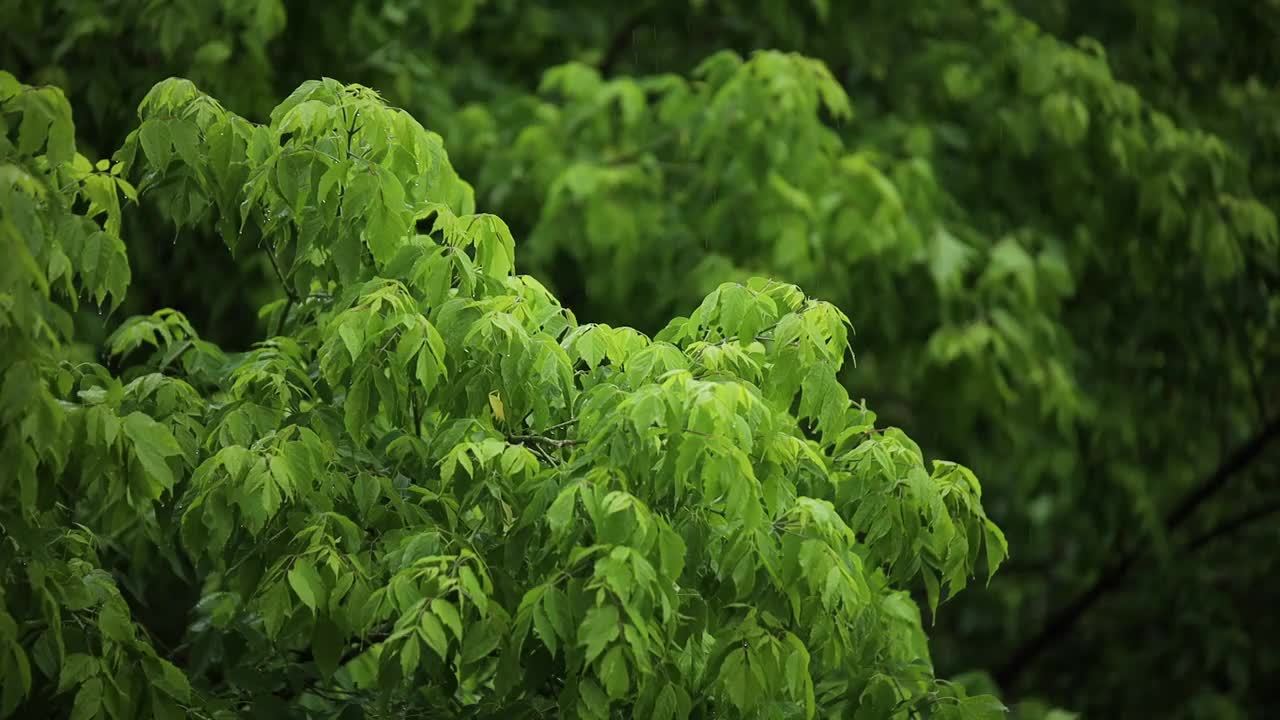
x=283 y=315
x=280 y=276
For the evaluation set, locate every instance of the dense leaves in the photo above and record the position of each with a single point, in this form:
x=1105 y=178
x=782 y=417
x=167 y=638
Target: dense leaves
x=1053 y=224
x=432 y=489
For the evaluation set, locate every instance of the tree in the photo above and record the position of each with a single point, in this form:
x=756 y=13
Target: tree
x=430 y=490
x=1051 y=223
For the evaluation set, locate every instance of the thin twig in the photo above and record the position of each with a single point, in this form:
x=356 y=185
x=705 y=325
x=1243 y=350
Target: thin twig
x=279 y=275
x=560 y=425
x=543 y=439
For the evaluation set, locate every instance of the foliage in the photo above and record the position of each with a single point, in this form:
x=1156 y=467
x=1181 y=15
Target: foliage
x=431 y=490
x=1053 y=224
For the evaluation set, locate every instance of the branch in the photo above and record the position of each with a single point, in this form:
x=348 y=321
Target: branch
x=1232 y=524
x=560 y=425
x=284 y=314
x=1113 y=576
x=620 y=41
x=543 y=439
x=1240 y=459
x=293 y=297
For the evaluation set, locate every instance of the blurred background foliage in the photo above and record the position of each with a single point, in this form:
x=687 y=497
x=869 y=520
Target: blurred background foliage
x=1052 y=223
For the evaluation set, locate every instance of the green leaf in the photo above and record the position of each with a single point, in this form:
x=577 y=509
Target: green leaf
x=367 y=491
x=445 y=610
x=336 y=173
x=799 y=681
x=156 y=142
x=356 y=410
x=736 y=677
x=171 y=680
x=275 y=609
x=997 y=547
x=562 y=510
x=433 y=633
x=306 y=583
x=88 y=700
x=600 y=627
x=353 y=337
x=480 y=642
x=36 y=117
x=613 y=672
x=667 y=706
x=76 y=668
x=284 y=474
x=186 y=140
x=982 y=707
x=152 y=444
x=595 y=700
x=671 y=550
x=327 y=644
x=62 y=132
x=543 y=627
x=558 y=614
x=471 y=586
x=115 y=624
x=214 y=52
x=410 y=653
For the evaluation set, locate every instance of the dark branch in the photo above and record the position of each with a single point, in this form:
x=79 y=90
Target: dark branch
x=279 y=275
x=1240 y=459
x=1113 y=576
x=620 y=41
x=544 y=440
x=1233 y=525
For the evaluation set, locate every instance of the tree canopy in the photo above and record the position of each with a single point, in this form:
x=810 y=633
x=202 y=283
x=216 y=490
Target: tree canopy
x=311 y=419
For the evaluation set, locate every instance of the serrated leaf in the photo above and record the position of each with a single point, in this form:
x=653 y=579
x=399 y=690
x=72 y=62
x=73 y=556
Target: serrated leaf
x=997 y=547
x=599 y=628
x=76 y=668
x=171 y=680
x=152 y=443
x=88 y=700
x=471 y=586
x=562 y=510
x=595 y=700
x=352 y=335
x=613 y=672
x=671 y=550
x=448 y=614
x=433 y=633
x=156 y=142
x=367 y=491
x=410 y=653
x=557 y=608
x=306 y=583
